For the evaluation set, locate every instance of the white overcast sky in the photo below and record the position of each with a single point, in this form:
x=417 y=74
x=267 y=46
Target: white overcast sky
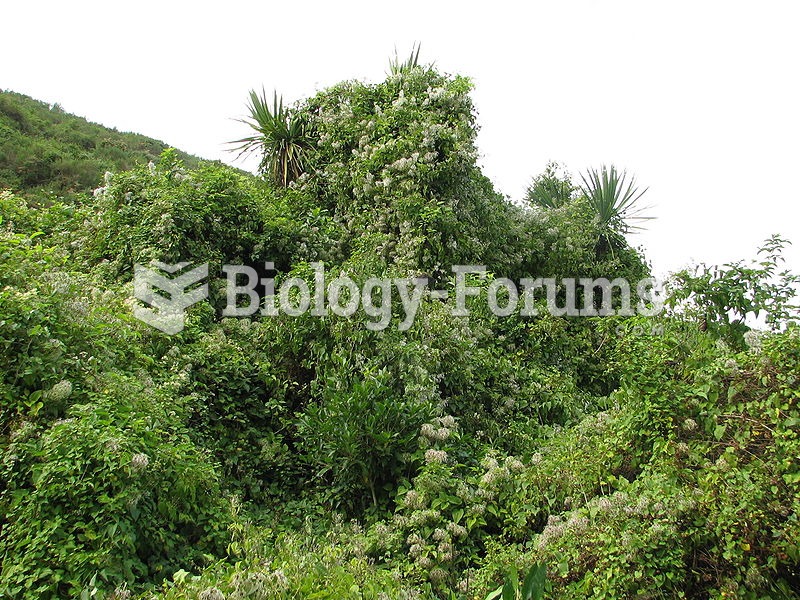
x=700 y=100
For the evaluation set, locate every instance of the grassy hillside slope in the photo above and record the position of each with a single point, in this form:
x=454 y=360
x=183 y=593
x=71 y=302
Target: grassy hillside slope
x=44 y=149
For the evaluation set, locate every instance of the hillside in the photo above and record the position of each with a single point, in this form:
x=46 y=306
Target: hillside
x=44 y=149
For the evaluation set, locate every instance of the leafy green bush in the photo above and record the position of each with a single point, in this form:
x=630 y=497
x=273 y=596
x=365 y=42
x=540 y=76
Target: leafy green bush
x=725 y=297
x=398 y=159
x=359 y=439
x=55 y=325
x=114 y=493
x=239 y=405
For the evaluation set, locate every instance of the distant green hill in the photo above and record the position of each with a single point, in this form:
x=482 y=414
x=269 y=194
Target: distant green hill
x=44 y=149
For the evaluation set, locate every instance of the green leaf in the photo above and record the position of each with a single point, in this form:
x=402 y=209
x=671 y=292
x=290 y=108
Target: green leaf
x=533 y=587
x=563 y=568
x=495 y=594
x=511 y=586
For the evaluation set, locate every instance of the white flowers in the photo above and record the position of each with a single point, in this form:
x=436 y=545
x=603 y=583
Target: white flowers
x=456 y=530
x=59 y=392
x=514 y=465
x=604 y=504
x=415 y=550
x=211 y=593
x=404 y=164
x=435 y=93
x=578 y=523
x=489 y=463
x=423 y=517
x=139 y=462
x=446 y=425
x=753 y=339
x=401 y=99
x=413 y=499
x=553 y=531
x=434 y=434
x=496 y=473
x=435 y=456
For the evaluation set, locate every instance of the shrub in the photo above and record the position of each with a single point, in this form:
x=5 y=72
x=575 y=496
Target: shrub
x=114 y=493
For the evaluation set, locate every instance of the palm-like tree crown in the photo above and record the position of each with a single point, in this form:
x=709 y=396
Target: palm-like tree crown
x=281 y=135
x=613 y=202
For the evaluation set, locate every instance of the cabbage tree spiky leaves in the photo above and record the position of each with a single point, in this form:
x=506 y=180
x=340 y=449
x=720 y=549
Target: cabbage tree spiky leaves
x=614 y=198
x=281 y=135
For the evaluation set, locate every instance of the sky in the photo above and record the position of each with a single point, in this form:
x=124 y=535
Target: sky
x=699 y=100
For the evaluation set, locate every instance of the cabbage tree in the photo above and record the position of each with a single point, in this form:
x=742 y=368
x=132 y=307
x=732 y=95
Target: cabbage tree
x=614 y=198
x=281 y=135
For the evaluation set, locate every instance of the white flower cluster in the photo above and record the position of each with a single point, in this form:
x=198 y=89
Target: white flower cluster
x=424 y=517
x=258 y=585
x=22 y=431
x=577 y=523
x=434 y=434
x=211 y=593
x=754 y=340
x=405 y=164
x=78 y=308
x=456 y=530
x=617 y=506
x=139 y=461
x=552 y=533
x=59 y=392
x=435 y=456
x=496 y=474
x=438 y=550
x=59 y=282
x=437 y=431
x=400 y=100
x=413 y=500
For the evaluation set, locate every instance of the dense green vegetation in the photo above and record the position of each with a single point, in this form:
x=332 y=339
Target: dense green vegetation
x=45 y=151
x=317 y=457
